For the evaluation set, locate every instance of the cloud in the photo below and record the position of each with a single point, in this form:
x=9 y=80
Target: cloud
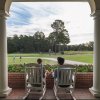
x=19 y=15
x=80 y=40
x=27 y=18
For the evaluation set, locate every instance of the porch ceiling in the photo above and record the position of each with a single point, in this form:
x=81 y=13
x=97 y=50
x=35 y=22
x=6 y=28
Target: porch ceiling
x=49 y=0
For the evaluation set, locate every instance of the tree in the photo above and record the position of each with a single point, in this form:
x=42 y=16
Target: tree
x=90 y=45
x=39 y=35
x=39 y=40
x=11 y=45
x=59 y=35
x=58 y=26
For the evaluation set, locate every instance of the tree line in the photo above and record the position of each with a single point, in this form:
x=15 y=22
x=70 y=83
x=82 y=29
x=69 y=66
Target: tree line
x=30 y=44
x=57 y=41
x=81 y=47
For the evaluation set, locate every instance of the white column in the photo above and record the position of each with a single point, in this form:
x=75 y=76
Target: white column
x=4 y=89
x=95 y=90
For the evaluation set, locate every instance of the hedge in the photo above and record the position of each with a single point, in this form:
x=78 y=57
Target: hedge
x=21 y=67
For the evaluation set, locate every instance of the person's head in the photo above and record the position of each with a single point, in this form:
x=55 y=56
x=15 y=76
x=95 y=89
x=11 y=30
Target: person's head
x=60 y=60
x=39 y=61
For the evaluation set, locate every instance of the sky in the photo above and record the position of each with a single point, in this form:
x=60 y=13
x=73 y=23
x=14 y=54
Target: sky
x=28 y=17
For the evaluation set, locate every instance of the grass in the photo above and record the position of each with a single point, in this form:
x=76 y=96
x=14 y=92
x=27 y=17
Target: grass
x=78 y=52
x=29 y=55
x=80 y=56
x=47 y=55
x=27 y=60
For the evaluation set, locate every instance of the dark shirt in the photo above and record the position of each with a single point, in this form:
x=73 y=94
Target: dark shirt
x=55 y=72
x=55 y=76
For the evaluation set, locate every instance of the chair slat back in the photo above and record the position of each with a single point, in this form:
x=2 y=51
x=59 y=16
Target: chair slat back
x=34 y=75
x=65 y=76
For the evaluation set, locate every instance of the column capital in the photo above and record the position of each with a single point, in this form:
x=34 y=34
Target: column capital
x=4 y=14
x=96 y=14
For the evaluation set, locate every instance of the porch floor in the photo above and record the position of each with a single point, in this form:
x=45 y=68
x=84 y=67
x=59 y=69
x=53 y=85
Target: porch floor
x=49 y=95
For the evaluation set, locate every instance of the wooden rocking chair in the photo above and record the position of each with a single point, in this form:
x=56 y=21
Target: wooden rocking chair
x=65 y=81
x=34 y=81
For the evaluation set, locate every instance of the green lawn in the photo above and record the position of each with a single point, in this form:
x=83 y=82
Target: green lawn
x=78 y=52
x=81 y=56
x=29 y=55
x=47 y=55
x=27 y=60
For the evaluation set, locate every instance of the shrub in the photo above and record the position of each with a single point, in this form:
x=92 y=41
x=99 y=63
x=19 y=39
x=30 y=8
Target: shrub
x=62 y=52
x=85 y=68
x=50 y=68
x=16 y=68
x=79 y=68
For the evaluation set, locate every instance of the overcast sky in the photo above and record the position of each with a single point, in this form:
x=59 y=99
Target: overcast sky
x=27 y=18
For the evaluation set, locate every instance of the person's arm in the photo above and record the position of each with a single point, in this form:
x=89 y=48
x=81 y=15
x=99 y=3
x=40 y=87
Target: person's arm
x=43 y=72
x=55 y=73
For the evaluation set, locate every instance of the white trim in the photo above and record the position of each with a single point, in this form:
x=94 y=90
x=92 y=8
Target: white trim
x=4 y=13
x=5 y=93
x=94 y=93
x=49 y=0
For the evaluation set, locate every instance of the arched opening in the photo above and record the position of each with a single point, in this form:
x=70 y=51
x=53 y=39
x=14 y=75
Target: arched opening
x=92 y=5
x=66 y=18
x=70 y=18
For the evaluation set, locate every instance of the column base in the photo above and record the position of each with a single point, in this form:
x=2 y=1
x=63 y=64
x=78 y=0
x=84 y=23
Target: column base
x=94 y=93
x=5 y=93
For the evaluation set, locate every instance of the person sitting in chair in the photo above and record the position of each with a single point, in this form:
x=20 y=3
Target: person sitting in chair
x=39 y=62
x=60 y=64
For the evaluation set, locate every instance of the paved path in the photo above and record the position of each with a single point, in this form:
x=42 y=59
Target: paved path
x=66 y=61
